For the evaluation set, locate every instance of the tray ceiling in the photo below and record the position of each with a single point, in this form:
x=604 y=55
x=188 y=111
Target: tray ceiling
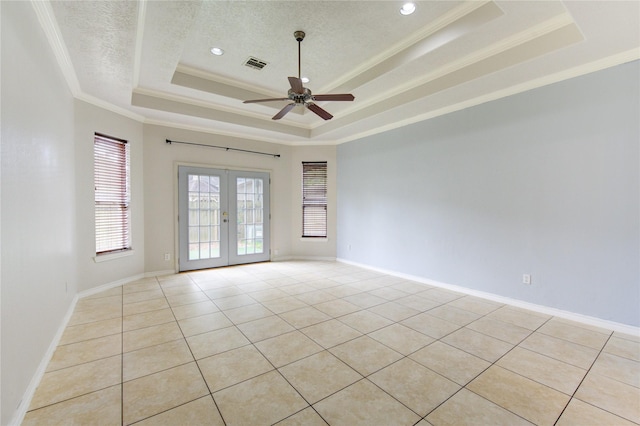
x=151 y=60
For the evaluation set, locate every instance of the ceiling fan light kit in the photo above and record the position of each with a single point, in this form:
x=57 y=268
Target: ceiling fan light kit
x=408 y=8
x=300 y=95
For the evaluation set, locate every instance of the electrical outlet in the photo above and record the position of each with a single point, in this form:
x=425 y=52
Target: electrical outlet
x=167 y=256
x=526 y=279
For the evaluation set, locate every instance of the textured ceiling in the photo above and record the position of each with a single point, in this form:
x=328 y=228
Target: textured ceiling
x=150 y=60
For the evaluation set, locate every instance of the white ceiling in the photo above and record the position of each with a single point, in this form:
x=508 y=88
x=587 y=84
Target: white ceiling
x=150 y=60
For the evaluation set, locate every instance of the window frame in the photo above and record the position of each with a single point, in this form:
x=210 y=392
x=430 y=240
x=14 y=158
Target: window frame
x=112 y=196
x=314 y=197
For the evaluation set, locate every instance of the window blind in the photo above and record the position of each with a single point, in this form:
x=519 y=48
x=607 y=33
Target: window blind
x=112 y=194
x=314 y=199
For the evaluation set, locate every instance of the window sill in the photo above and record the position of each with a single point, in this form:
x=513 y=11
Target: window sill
x=112 y=256
x=314 y=239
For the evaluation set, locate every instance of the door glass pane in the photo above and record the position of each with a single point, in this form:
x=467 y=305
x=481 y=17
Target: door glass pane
x=204 y=251
x=204 y=217
x=249 y=215
x=215 y=249
x=194 y=251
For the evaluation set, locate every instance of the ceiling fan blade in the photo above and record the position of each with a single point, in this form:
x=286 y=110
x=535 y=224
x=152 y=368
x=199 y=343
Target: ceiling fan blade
x=320 y=112
x=296 y=85
x=253 y=101
x=283 y=111
x=336 y=97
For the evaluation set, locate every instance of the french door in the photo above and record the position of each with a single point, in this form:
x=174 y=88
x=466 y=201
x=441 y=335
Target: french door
x=223 y=217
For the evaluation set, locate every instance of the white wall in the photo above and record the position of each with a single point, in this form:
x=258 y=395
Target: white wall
x=38 y=229
x=546 y=183
x=160 y=177
x=90 y=119
x=161 y=159
x=313 y=247
x=47 y=216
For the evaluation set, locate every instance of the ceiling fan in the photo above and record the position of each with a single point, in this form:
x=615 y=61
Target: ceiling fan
x=300 y=95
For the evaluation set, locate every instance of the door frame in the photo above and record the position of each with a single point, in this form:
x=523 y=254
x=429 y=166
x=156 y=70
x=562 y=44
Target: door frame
x=176 y=206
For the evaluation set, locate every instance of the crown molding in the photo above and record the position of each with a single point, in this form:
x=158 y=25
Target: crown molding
x=611 y=61
x=294 y=131
x=137 y=57
x=530 y=34
x=208 y=130
x=194 y=72
x=601 y=64
x=49 y=25
x=465 y=70
x=190 y=101
x=110 y=107
x=444 y=29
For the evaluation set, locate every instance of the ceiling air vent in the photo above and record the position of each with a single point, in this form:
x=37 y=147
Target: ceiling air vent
x=255 y=63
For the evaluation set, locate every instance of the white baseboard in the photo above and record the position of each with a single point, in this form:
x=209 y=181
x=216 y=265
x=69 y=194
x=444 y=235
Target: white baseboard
x=108 y=286
x=281 y=258
x=18 y=416
x=159 y=273
x=42 y=367
x=37 y=377
x=316 y=258
x=584 y=319
x=122 y=281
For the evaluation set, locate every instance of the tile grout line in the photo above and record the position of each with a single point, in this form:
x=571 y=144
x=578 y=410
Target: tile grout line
x=363 y=377
x=122 y=357
x=74 y=365
x=484 y=370
x=253 y=344
x=169 y=368
x=331 y=317
x=583 y=379
x=276 y=369
x=394 y=322
x=122 y=364
x=535 y=381
x=184 y=338
x=263 y=355
x=472 y=379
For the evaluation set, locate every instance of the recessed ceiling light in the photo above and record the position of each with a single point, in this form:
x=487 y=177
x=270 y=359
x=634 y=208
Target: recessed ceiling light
x=408 y=8
x=217 y=51
x=305 y=80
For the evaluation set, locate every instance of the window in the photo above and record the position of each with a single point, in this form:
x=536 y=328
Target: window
x=112 y=195
x=314 y=199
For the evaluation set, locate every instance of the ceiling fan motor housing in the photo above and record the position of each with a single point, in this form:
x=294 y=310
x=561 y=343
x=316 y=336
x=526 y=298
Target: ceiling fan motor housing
x=300 y=98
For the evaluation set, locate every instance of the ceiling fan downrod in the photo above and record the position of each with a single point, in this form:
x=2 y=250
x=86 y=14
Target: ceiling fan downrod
x=299 y=35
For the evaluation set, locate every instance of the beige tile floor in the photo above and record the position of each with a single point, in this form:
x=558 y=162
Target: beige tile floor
x=315 y=343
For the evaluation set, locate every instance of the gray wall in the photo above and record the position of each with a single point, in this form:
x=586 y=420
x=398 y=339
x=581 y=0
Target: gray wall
x=545 y=182
x=38 y=277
